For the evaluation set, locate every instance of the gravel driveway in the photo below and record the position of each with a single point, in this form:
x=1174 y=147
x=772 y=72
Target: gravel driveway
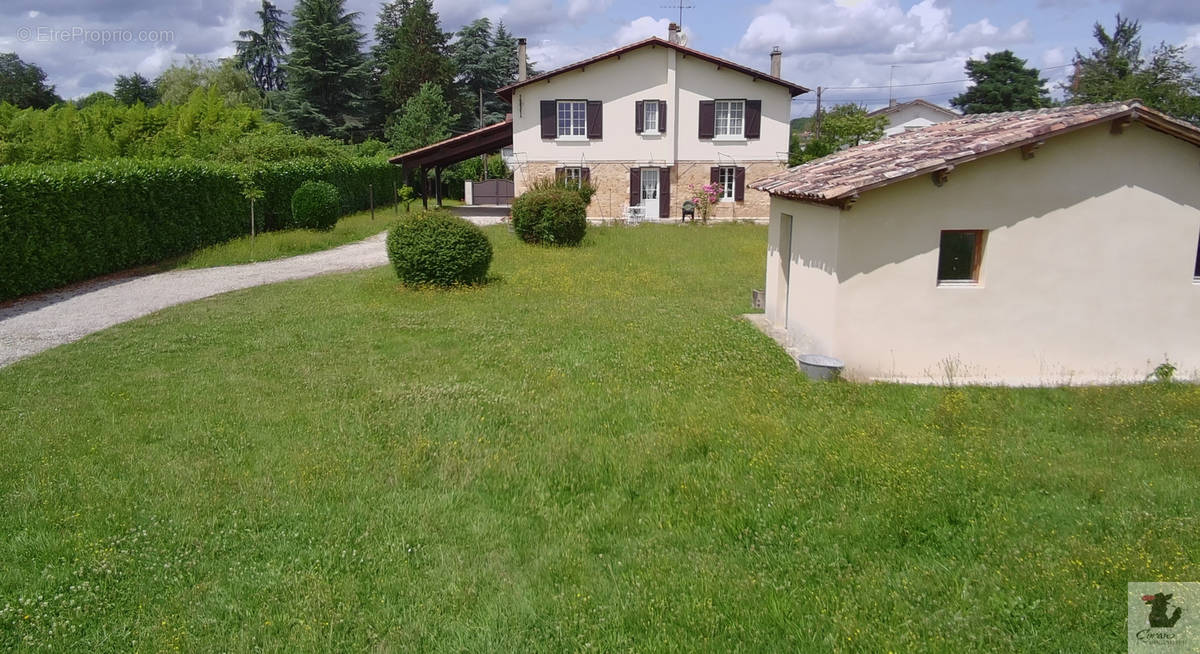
x=51 y=319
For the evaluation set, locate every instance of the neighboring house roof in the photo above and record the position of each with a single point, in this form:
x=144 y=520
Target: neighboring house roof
x=915 y=103
x=841 y=176
x=454 y=149
x=794 y=89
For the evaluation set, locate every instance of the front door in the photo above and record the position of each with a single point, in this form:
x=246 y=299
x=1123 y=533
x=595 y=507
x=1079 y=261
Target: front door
x=650 y=191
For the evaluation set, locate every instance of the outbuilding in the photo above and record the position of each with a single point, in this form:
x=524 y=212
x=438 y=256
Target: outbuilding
x=1038 y=247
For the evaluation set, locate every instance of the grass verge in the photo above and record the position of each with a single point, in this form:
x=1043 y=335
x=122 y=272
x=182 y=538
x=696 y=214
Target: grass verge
x=591 y=452
x=289 y=243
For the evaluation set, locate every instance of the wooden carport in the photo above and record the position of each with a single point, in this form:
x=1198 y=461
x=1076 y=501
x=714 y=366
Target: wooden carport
x=453 y=150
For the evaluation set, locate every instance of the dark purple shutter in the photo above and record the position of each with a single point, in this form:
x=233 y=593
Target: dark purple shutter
x=714 y=175
x=662 y=116
x=549 y=119
x=635 y=187
x=753 y=118
x=560 y=174
x=585 y=174
x=708 y=118
x=639 y=116
x=739 y=184
x=595 y=119
x=664 y=192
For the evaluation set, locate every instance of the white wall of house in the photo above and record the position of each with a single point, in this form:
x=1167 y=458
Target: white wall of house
x=651 y=73
x=912 y=116
x=1086 y=274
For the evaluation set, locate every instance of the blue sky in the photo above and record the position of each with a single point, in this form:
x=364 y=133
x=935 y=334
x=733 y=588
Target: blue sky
x=830 y=43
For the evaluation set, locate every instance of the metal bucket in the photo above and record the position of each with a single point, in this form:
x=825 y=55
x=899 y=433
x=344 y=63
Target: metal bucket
x=819 y=367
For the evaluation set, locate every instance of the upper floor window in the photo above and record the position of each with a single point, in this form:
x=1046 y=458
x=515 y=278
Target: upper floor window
x=730 y=118
x=572 y=118
x=726 y=177
x=959 y=256
x=650 y=123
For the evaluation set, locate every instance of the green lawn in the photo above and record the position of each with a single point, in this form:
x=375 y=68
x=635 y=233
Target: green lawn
x=591 y=453
x=291 y=242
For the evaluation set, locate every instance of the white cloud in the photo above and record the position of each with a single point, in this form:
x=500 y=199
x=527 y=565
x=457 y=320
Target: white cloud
x=1053 y=57
x=864 y=43
x=577 y=9
x=642 y=28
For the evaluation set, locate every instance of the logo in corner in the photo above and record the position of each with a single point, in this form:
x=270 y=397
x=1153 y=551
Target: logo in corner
x=1162 y=616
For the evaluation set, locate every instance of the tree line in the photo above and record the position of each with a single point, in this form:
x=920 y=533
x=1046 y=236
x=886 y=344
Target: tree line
x=312 y=72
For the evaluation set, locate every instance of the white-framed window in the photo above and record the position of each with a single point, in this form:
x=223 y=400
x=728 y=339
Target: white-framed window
x=573 y=175
x=731 y=118
x=572 y=118
x=650 y=117
x=727 y=177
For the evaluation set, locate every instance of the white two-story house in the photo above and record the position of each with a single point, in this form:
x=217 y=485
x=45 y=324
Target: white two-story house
x=648 y=121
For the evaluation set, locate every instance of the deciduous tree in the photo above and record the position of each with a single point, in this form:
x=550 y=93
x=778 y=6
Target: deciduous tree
x=1116 y=70
x=24 y=85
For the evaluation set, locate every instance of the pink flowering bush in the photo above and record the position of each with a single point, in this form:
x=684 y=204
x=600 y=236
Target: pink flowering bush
x=705 y=198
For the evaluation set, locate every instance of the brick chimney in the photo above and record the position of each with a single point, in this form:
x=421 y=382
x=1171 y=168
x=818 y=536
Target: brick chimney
x=522 y=61
x=776 y=61
x=673 y=33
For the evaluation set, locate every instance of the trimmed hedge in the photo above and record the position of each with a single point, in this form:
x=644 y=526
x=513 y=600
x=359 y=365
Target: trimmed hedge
x=65 y=222
x=315 y=205
x=550 y=215
x=438 y=248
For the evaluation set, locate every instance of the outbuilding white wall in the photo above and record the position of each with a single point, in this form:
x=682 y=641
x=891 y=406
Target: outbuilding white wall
x=1086 y=277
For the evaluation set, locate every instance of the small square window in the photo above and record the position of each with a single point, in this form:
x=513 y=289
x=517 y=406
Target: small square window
x=959 y=256
x=573 y=176
x=650 y=117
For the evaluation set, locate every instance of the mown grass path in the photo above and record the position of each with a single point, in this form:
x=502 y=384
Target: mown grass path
x=593 y=452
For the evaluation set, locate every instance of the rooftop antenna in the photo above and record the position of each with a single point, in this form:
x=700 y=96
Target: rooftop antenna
x=681 y=6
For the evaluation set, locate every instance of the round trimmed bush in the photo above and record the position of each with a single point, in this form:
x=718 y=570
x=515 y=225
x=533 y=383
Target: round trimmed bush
x=550 y=215
x=438 y=248
x=315 y=205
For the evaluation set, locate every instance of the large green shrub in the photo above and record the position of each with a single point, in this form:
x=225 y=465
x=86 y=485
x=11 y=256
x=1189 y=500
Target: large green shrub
x=315 y=205
x=436 y=247
x=64 y=222
x=550 y=215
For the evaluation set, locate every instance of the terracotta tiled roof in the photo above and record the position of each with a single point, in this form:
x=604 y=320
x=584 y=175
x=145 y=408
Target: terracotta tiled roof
x=842 y=175
x=793 y=88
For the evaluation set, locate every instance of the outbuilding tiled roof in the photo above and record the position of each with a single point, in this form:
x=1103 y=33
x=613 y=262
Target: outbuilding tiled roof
x=839 y=177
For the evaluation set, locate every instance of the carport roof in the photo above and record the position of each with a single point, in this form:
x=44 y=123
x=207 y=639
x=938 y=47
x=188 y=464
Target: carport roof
x=457 y=148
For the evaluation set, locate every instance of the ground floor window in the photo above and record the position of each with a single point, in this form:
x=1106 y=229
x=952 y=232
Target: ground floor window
x=573 y=176
x=959 y=256
x=727 y=178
